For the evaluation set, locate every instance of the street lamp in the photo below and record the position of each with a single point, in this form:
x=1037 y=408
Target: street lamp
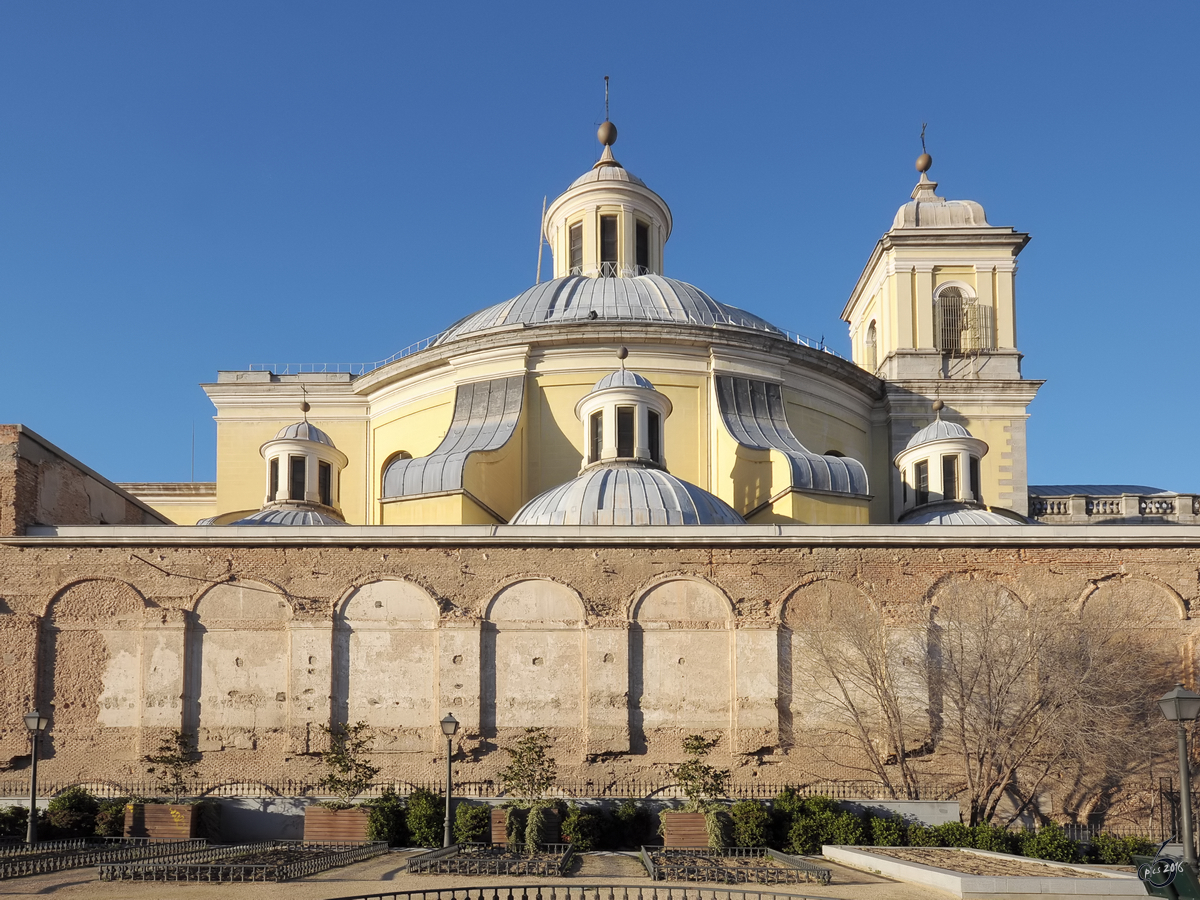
x=1181 y=705
x=449 y=728
x=36 y=723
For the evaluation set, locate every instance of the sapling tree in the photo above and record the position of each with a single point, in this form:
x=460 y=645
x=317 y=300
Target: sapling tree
x=528 y=778
x=175 y=762
x=700 y=780
x=349 y=771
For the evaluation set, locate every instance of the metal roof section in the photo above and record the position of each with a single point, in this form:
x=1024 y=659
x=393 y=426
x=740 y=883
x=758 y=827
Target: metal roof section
x=626 y=494
x=1100 y=490
x=286 y=517
x=937 y=430
x=485 y=417
x=304 y=431
x=576 y=298
x=753 y=413
x=958 y=515
x=623 y=378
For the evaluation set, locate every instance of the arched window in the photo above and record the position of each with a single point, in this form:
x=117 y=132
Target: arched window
x=960 y=325
x=870 y=354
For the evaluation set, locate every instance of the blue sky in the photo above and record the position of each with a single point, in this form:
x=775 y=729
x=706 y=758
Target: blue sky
x=192 y=187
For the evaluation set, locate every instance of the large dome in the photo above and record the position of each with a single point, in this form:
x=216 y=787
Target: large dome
x=645 y=298
x=626 y=494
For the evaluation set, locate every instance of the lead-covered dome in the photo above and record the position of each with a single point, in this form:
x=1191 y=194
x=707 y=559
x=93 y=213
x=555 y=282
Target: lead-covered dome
x=957 y=514
x=623 y=378
x=289 y=516
x=579 y=299
x=626 y=494
x=304 y=431
x=937 y=430
x=927 y=210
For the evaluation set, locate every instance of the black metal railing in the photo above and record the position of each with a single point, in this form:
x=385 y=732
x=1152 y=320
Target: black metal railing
x=262 y=861
x=581 y=892
x=55 y=856
x=493 y=859
x=750 y=865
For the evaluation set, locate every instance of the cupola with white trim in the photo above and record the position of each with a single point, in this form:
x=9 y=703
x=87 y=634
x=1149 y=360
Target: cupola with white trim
x=623 y=419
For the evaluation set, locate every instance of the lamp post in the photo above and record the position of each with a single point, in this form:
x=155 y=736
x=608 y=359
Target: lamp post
x=1180 y=705
x=36 y=723
x=449 y=728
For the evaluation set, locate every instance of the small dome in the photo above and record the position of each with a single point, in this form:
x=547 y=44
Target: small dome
x=285 y=516
x=957 y=514
x=303 y=431
x=928 y=210
x=937 y=430
x=608 y=173
x=626 y=494
x=577 y=299
x=623 y=378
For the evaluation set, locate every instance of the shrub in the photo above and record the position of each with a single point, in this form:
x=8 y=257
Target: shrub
x=921 y=836
x=425 y=818
x=884 y=831
x=953 y=834
x=719 y=827
x=531 y=770
x=1049 y=842
x=71 y=814
x=581 y=828
x=804 y=838
x=514 y=824
x=843 y=829
x=110 y=817
x=751 y=823
x=993 y=838
x=784 y=808
x=700 y=781
x=537 y=828
x=13 y=821
x=1110 y=850
x=472 y=823
x=174 y=763
x=387 y=819
x=632 y=825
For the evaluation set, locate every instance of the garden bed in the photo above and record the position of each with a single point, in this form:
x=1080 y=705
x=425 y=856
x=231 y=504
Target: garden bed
x=551 y=861
x=730 y=865
x=74 y=853
x=261 y=861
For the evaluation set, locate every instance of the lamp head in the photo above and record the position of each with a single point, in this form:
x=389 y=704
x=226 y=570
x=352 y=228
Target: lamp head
x=35 y=722
x=1179 y=704
x=449 y=725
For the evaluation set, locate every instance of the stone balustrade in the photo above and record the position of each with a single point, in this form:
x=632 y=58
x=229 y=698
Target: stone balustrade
x=1127 y=509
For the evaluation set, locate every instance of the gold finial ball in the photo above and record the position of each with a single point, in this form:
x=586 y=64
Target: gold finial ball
x=623 y=353
x=938 y=406
x=924 y=162
x=304 y=407
x=607 y=133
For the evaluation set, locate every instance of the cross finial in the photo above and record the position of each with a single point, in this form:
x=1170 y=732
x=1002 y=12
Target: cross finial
x=924 y=125
x=605 y=98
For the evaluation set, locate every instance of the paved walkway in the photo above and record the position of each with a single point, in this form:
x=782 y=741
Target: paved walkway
x=385 y=874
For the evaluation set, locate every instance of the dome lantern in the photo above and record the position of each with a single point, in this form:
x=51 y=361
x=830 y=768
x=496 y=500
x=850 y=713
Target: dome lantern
x=303 y=468
x=623 y=419
x=608 y=223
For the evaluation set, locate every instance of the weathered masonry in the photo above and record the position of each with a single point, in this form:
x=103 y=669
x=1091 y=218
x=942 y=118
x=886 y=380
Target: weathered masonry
x=617 y=640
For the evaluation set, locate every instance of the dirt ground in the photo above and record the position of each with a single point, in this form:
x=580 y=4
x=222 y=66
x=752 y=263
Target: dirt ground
x=973 y=864
x=385 y=874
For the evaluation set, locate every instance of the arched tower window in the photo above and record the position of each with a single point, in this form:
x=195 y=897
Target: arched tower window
x=870 y=354
x=960 y=325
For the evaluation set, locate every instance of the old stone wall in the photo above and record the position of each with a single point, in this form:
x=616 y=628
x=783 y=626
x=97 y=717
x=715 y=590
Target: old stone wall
x=618 y=650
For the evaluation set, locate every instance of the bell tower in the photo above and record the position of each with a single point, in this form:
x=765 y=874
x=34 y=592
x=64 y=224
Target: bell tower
x=933 y=315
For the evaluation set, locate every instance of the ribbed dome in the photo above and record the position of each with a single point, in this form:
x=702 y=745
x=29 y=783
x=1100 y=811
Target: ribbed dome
x=287 y=516
x=608 y=173
x=626 y=494
x=928 y=210
x=956 y=514
x=303 y=431
x=645 y=298
x=937 y=430
x=623 y=378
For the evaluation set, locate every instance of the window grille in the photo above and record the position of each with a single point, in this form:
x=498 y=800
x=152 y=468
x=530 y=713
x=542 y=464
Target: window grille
x=297 y=478
x=960 y=324
x=949 y=477
x=870 y=355
x=576 y=241
x=654 y=426
x=597 y=436
x=608 y=239
x=274 y=480
x=325 y=483
x=921 y=482
x=625 y=432
x=643 y=247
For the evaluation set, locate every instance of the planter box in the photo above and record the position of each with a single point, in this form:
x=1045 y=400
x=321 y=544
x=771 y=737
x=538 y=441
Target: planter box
x=321 y=824
x=161 y=821
x=684 y=829
x=553 y=827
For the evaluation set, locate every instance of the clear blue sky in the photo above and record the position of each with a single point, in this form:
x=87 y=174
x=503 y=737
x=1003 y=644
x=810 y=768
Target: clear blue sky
x=192 y=187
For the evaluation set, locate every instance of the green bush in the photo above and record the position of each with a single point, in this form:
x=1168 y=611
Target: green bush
x=993 y=838
x=842 y=829
x=110 y=817
x=425 y=818
x=921 y=836
x=537 y=828
x=751 y=823
x=71 y=814
x=719 y=826
x=784 y=808
x=1109 y=850
x=953 y=834
x=632 y=826
x=514 y=824
x=1049 y=842
x=387 y=819
x=472 y=823
x=804 y=838
x=884 y=831
x=13 y=821
x=582 y=829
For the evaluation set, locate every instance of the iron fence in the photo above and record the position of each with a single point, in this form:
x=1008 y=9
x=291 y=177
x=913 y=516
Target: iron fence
x=492 y=859
x=241 y=862
x=41 y=859
x=751 y=866
x=581 y=892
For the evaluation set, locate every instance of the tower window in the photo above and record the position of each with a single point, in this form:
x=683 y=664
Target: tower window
x=949 y=477
x=625 y=432
x=870 y=353
x=921 y=481
x=273 y=487
x=325 y=482
x=974 y=466
x=575 y=238
x=297 y=477
x=643 y=248
x=596 y=436
x=960 y=325
x=653 y=439
x=608 y=246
